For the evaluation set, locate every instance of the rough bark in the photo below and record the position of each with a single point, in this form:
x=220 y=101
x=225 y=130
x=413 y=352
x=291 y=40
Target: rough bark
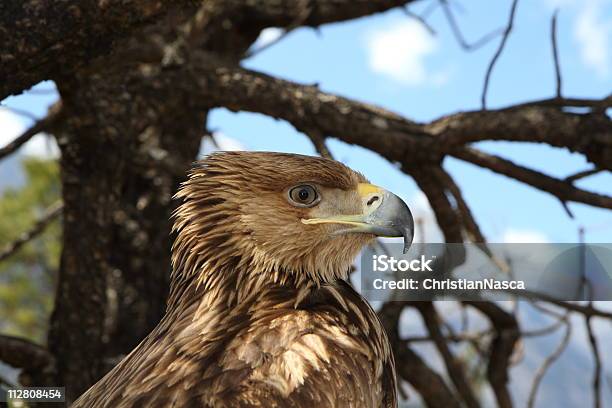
x=52 y=39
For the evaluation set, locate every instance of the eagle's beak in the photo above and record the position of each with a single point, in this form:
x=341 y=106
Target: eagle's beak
x=383 y=214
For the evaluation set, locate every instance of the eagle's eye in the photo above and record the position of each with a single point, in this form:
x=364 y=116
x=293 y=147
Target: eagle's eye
x=303 y=195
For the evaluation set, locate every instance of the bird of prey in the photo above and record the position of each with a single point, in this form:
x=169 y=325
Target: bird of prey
x=260 y=313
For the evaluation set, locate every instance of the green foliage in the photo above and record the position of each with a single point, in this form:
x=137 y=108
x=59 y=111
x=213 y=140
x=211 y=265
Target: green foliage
x=27 y=278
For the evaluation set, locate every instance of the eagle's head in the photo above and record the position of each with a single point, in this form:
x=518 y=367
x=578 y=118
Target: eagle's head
x=285 y=217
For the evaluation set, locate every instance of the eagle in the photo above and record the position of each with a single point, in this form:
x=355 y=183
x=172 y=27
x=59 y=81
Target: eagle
x=260 y=312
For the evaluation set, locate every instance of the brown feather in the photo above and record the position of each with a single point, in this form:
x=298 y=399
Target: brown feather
x=259 y=313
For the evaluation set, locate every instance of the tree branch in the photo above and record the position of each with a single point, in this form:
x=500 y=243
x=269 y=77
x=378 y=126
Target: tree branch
x=446 y=216
x=286 y=12
x=549 y=361
x=414 y=145
x=454 y=369
x=562 y=190
x=21 y=353
x=501 y=349
x=467 y=218
x=42 y=125
x=553 y=40
x=64 y=36
x=38 y=228
x=429 y=384
x=588 y=310
x=60 y=35
x=450 y=17
x=318 y=142
x=587 y=134
x=596 y=362
x=502 y=44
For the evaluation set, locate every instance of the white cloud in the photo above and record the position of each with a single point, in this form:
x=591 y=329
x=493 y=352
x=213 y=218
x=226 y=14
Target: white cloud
x=11 y=126
x=426 y=227
x=524 y=236
x=41 y=145
x=227 y=143
x=223 y=143
x=593 y=33
x=400 y=52
x=267 y=36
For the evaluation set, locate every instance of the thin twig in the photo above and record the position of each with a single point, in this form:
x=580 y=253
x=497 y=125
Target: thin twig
x=586 y=310
x=21 y=353
x=21 y=112
x=41 y=125
x=550 y=360
x=50 y=214
x=502 y=349
x=303 y=15
x=450 y=17
x=318 y=141
x=597 y=104
x=559 y=188
x=502 y=44
x=470 y=224
x=420 y=19
x=582 y=174
x=455 y=372
x=253 y=52
x=52 y=91
x=597 y=363
x=553 y=39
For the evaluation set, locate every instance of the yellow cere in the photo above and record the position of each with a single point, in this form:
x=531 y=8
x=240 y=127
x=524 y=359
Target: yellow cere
x=364 y=189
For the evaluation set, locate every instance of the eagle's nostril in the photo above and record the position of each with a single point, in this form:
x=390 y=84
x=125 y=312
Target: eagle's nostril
x=372 y=200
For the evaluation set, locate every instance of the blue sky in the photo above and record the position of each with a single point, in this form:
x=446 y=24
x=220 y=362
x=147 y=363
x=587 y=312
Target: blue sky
x=392 y=61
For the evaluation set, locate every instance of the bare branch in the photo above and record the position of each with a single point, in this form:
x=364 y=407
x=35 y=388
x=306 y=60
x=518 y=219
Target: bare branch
x=305 y=10
x=471 y=226
x=597 y=362
x=420 y=19
x=553 y=39
x=454 y=369
x=50 y=214
x=466 y=217
x=502 y=44
x=446 y=216
x=318 y=141
x=20 y=112
x=588 y=310
x=253 y=52
x=582 y=174
x=596 y=104
x=63 y=36
x=501 y=350
x=554 y=356
x=587 y=134
x=415 y=146
x=478 y=335
x=450 y=17
x=429 y=384
x=42 y=125
x=562 y=190
x=21 y=353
